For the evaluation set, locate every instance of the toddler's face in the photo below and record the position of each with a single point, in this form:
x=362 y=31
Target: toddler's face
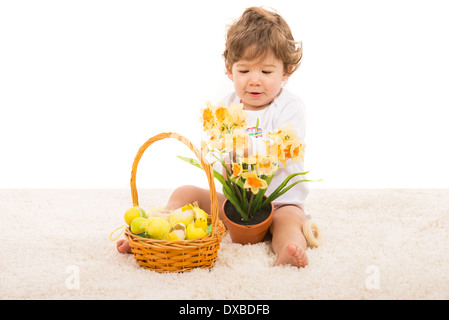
x=257 y=82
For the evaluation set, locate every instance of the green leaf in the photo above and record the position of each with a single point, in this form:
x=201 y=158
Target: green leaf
x=270 y=198
x=197 y=164
x=231 y=197
x=238 y=182
x=194 y=162
x=228 y=173
x=261 y=193
x=284 y=183
x=230 y=194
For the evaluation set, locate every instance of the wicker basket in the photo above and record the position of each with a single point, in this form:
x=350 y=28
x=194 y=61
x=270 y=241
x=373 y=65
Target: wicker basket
x=177 y=256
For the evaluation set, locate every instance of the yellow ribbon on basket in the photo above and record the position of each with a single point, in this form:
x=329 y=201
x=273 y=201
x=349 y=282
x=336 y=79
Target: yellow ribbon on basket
x=123 y=229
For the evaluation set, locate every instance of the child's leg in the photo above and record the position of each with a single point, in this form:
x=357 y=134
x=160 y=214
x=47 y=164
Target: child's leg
x=288 y=240
x=189 y=194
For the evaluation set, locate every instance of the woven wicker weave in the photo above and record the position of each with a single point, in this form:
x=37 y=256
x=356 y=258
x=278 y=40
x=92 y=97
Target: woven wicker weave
x=177 y=256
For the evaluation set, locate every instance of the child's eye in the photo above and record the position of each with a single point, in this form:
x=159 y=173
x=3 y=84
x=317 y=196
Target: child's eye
x=243 y=71
x=266 y=72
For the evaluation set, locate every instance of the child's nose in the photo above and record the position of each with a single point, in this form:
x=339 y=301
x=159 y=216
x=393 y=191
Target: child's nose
x=254 y=79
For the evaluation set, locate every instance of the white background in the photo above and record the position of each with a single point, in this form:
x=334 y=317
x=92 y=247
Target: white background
x=83 y=84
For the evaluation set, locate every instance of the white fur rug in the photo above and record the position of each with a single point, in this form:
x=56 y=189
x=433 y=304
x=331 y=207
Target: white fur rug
x=378 y=244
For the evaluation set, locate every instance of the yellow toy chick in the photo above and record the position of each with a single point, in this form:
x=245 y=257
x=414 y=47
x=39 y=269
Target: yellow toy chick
x=197 y=229
x=199 y=213
x=183 y=215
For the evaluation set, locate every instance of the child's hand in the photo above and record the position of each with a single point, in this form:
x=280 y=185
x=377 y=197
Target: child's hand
x=228 y=165
x=247 y=150
x=225 y=174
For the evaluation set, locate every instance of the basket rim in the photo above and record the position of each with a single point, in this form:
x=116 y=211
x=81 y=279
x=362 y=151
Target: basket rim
x=213 y=236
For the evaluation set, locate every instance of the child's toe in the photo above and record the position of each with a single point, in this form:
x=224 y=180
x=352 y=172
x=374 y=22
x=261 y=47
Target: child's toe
x=123 y=246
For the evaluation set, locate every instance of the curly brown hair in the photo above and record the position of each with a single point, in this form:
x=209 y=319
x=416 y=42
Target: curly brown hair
x=256 y=33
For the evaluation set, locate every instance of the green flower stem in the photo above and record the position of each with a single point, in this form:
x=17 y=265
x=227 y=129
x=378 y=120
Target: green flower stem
x=250 y=212
x=237 y=191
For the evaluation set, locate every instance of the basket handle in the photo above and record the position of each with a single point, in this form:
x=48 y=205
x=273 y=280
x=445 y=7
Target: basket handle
x=204 y=164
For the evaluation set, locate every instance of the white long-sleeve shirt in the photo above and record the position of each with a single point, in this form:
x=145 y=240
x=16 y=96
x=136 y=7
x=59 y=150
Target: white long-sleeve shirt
x=285 y=108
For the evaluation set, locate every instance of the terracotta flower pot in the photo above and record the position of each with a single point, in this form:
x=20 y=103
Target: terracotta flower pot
x=247 y=233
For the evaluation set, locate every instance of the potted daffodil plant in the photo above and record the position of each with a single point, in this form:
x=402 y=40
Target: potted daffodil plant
x=245 y=177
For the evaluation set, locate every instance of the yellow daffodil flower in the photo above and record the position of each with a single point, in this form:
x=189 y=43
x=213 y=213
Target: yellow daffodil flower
x=286 y=151
x=266 y=166
x=297 y=150
x=287 y=133
x=236 y=170
x=227 y=140
x=273 y=150
x=254 y=182
x=252 y=159
x=208 y=118
x=221 y=114
x=237 y=116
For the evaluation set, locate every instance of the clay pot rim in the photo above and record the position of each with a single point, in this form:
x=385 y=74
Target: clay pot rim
x=250 y=226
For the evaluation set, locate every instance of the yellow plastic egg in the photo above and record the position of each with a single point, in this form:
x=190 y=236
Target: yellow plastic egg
x=157 y=228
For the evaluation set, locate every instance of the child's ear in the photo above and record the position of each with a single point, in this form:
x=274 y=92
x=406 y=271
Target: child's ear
x=229 y=72
x=287 y=73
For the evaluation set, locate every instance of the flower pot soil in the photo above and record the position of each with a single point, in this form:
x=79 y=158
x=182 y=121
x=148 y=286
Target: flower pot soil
x=235 y=216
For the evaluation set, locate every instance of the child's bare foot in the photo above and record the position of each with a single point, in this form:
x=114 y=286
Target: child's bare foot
x=123 y=246
x=293 y=255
